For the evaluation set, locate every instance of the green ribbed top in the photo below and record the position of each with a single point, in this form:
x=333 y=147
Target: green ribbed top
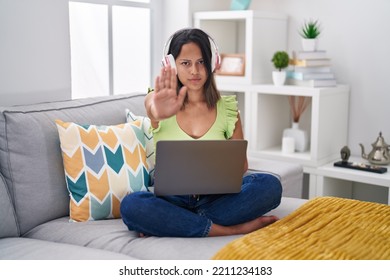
x=223 y=127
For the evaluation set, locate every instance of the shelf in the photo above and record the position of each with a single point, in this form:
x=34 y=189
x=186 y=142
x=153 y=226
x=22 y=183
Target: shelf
x=328 y=180
x=237 y=15
x=267 y=114
x=329 y=170
x=281 y=90
x=325 y=120
x=297 y=90
x=242 y=32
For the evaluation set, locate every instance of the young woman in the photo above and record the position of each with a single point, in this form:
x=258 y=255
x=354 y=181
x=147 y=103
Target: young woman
x=186 y=104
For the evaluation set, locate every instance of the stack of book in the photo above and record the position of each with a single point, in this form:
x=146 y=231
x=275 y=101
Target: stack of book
x=311 y=69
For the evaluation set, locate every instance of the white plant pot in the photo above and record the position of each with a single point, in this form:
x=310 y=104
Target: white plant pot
x=309 y=45
x=279 y=77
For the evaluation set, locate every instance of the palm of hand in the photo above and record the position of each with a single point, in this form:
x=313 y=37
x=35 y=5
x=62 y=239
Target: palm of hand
x=166 y=102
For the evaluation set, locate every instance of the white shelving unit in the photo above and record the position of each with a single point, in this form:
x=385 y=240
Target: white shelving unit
x=256 y=34
x=265 y=110
x=267 y=114
x=326 y=121
x=337 y=181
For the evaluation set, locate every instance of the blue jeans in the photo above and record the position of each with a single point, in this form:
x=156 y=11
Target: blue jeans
x=189 y=216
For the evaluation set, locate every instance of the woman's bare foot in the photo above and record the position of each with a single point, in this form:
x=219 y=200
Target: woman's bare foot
x=263 y=221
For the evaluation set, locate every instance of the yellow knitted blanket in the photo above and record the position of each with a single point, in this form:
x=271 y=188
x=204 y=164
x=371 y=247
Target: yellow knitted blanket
x=327 y=228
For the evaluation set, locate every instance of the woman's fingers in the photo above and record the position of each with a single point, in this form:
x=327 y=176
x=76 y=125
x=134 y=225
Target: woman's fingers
x=166 y=80
x=167 y=77
x=157 y=84
x=173 y=79
x=162 y=78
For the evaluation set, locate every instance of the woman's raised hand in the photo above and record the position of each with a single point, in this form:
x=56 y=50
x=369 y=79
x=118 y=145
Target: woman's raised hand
x=165 y=101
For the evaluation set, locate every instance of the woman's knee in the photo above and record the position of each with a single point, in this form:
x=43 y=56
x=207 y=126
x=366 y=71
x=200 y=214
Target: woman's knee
x=267 y=182
x=133 y=203
x=275 y=183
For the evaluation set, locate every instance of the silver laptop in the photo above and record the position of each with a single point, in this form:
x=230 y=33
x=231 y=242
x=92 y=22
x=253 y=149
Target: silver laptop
x=185 y=167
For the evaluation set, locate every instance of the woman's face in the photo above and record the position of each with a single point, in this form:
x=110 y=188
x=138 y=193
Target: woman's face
x=191 y=69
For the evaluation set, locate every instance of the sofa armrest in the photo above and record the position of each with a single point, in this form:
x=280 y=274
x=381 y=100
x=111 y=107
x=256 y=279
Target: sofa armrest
x=290 y=174
x=8 y=222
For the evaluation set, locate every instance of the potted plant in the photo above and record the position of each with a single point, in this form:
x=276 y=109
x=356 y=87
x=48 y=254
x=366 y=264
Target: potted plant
x=309 y=32
x=280 y=60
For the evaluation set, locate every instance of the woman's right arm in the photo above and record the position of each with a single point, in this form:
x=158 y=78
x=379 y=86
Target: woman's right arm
x=148 y=107
x=164 y=101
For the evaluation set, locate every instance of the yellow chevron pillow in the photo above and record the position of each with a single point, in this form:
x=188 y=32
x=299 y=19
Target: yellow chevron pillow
x=149 y=142
x=102 y=165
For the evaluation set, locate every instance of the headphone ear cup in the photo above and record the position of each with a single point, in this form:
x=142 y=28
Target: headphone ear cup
x=165 y=51
x=169 y=60
x=217 y=64
x=215 y=58
x=214 y=61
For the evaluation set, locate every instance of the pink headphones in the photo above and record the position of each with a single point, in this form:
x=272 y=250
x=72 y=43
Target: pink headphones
x=168 y=59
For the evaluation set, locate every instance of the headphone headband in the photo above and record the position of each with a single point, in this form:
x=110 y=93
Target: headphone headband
x=215 y=57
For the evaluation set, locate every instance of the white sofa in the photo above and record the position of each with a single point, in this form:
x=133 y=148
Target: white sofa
x=34 y=201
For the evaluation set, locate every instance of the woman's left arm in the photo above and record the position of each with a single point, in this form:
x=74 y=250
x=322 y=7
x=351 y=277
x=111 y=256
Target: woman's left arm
x=239 y=134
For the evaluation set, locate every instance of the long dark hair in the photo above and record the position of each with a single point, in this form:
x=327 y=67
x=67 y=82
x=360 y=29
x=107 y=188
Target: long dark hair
x=200 y=38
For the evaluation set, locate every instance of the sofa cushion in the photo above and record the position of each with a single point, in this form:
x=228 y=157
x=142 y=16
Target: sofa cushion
x=102 y=165
x=32 y=249
x=30 y=154
x=8 y=223
x=113 y=235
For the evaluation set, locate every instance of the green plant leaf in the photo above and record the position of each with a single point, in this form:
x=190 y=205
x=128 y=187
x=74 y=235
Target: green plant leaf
x=310 y=29
x=280 y=60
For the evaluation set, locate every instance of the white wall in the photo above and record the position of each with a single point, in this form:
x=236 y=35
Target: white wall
x=34 y=51
x=178 y=13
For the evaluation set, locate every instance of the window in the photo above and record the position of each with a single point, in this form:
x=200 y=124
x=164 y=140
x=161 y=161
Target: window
x=131 y=49
x=110 y=47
